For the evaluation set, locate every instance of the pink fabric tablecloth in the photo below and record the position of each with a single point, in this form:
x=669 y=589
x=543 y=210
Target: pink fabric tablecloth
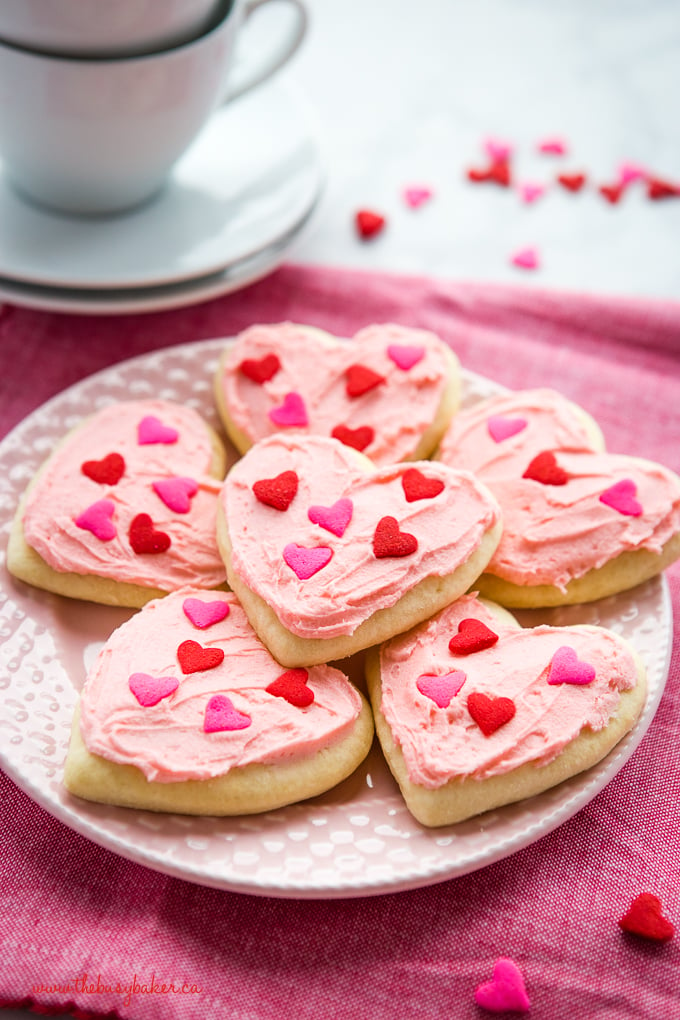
x=68 y=907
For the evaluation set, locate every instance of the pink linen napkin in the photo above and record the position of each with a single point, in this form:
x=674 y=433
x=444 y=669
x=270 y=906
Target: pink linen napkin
x=69 y=908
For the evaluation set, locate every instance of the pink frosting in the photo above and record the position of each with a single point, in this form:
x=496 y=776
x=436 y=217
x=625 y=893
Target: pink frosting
x=199 y=730
x=312 y=378
x=355 y=581
x=555 y=533
x=440 y=744
x=63 y=493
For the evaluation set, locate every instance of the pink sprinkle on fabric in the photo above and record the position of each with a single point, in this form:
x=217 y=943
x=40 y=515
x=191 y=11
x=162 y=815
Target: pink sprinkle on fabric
x=441 y=689
x=292 y=413
x=176 y=493
x=417 y=196
x=567 y=668
x=526 y=258
x=498 y=150
x=405 y=356
x=531 y=192
x=629 y=172
x=553 y=146
x=505 y=991
x=304 y=561
x=205 y=614
x=97 y=520
x=501 y=428
x=333 y=518
x=151 y=430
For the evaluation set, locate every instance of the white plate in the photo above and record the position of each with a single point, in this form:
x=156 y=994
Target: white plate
x=356 y=840
x=153 y=299
x=251 y=176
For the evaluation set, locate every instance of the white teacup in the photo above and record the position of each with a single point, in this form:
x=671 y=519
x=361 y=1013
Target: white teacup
x=95 y=136
x=110 y=28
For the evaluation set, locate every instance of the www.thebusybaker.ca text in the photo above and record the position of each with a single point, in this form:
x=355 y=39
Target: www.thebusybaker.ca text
x=84 y=984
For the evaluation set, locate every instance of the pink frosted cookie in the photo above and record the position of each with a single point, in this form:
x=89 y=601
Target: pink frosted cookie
x=474 y=712
x=389 y=393
x=124 y=509
x=329 y=555
x=578 y=523
x=185 y=711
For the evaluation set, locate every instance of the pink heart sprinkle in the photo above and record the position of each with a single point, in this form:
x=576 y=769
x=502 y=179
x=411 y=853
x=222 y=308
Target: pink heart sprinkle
x=97 y=519
x=149 y=690
x=621 y=497
x=306 y=562
x=497 y=150
x=333 y=518
x=416 y=196
x=152 y=430
x=567 y=668
x=629 y=172
x=501 y=428
x=506 y=989
x=530 y=192
x=292 y=413
x=405 y=357
x=553 y=146
x=441 y=689
x=204 y=614
x=176 y=493
x=220 y=715
x=526 y=258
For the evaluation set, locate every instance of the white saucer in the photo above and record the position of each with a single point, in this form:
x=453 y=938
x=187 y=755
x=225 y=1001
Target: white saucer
x=247 y=182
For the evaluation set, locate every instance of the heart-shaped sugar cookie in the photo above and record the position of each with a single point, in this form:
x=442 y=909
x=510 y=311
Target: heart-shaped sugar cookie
x=165 y=725
x=124 y=508
x=292 y=378
x=531 y=708
x=579 y=523
x=314 y=592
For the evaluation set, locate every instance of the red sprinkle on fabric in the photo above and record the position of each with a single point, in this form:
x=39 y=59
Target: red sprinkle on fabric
x=545 y=469
x=572 y=182
x=645 y=918
x=658 y=189
x=107 y=471
x=472 y=636
x=417 y=486
x=388 y=540
x=144 y=538
x=260 y=370
x=360 y=380
x=612 y=192
x=292 y=687
x=498 y=172
x=358 y=439
x=277 y=492
x=194 y=658
x=490 y=713
x=369 y=223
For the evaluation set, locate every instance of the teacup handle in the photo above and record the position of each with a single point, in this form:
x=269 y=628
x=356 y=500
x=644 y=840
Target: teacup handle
x=279 y=57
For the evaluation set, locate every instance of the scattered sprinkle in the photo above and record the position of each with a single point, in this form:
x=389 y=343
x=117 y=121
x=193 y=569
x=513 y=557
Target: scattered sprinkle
x=553 y=146
x=497 y=150
x=526 y=258
x=572 y=182
x=529 y=192
x=645 y=918
x=369 y=223
x=416 y=196
x=505 y=991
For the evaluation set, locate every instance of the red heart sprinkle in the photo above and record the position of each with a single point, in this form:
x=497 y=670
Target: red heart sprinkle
x=292 y=686
x=612 y=192
x=107 y=471
x=388 y=540
x=490 y=713
x=144 y=538
x=194 y=658
x=498 y=172
x=260 y=370
x=472 y=636
x=417 y=486
x=658 y=189
x=644 y=917
x=369 y=223
x=361 y=379
x=545 y=469
x=277 y=492
x=572 y=182
x=359 y=438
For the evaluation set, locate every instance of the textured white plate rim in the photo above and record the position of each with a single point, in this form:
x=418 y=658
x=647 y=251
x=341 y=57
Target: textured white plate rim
x=101 y=828
x=104 y=247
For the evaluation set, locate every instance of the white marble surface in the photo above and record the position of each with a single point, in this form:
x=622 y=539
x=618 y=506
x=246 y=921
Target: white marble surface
x=406 y=92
